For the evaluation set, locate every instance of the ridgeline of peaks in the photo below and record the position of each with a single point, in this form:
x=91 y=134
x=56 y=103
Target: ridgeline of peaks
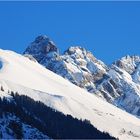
x=118 y=84
x=76 y=64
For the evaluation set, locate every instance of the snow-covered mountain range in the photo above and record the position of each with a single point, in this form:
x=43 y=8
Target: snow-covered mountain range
x=118 y=84
x=44 y=86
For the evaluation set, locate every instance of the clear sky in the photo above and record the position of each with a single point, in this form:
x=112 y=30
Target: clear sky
x=109 y=30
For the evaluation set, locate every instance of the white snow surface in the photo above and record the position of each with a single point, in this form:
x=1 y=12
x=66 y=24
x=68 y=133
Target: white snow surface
x=27 y=77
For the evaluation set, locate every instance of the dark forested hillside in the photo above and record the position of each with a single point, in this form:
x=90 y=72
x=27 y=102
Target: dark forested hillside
x=50 y=122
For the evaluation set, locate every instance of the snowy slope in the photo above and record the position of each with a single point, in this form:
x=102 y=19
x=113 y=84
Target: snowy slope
x=20 y=74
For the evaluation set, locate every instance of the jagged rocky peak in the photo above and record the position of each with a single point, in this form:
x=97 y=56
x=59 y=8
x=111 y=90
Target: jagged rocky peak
x=78 y=52
x=128 y=63
x=118 y=84
x=40 y=47
x=76 y=64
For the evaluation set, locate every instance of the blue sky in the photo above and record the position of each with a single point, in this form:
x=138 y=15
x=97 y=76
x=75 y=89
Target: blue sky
x=109 y=30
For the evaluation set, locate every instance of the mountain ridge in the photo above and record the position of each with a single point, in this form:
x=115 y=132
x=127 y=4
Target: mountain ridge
x=114 y=83
x=20 y=74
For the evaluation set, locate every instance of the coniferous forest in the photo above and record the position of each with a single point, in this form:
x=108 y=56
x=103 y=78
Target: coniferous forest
x=50 y=122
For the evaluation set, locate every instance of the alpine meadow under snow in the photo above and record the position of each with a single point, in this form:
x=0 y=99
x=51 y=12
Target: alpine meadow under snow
x=26 y=76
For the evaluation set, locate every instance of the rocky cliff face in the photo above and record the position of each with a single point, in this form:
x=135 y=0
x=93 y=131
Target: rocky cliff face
x=118 y=84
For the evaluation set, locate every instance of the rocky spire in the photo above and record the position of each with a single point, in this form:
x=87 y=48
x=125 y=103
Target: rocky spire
x=40 y=47
x=128 y=63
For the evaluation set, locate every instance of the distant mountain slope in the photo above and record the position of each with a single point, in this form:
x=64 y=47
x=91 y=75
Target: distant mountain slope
x=20 y=74
x=118 y=84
